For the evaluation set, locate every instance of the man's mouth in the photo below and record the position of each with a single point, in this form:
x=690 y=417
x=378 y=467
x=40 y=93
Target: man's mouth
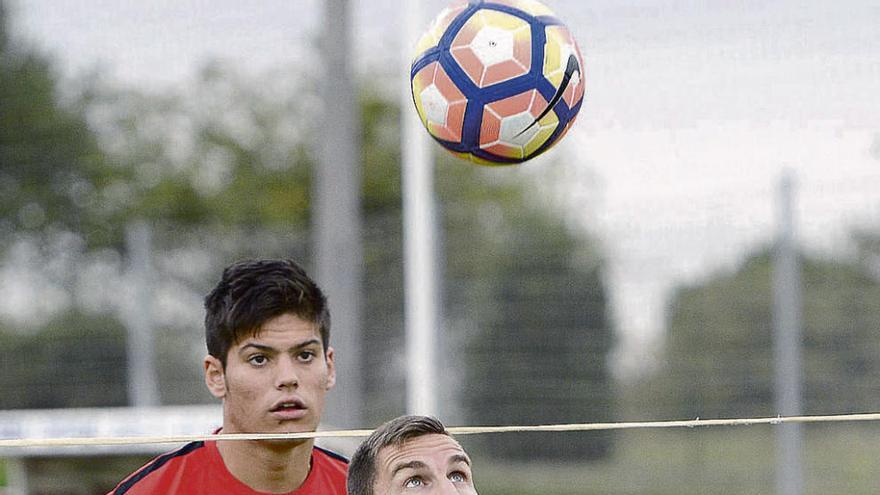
x=288 y=405
x=289 y=409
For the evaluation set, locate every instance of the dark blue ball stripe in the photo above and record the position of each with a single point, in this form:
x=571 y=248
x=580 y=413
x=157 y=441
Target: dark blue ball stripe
x=549 y=20
x=452 y=145
x=424 y=59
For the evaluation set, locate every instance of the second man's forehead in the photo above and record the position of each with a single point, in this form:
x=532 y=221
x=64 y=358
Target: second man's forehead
x=413 y=451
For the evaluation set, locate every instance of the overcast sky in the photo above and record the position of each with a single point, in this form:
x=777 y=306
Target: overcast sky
x=693 y=110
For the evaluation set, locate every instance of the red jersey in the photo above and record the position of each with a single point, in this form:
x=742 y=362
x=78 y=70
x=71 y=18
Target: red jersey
x=197 y=469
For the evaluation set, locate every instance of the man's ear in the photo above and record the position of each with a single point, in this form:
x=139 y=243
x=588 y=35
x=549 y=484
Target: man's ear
x=215 y=377
x=331 y=369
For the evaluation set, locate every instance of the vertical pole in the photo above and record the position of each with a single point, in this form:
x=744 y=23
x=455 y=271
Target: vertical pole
x=419 y=238
x=143 y=389
x=787 y=344
x=16 y=476
x=336 y=215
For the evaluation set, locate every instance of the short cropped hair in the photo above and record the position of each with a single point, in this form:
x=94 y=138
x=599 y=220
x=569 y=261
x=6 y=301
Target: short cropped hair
x=251 y=292
x=362 y=468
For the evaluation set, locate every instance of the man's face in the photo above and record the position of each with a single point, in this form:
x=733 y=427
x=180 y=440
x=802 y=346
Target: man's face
x=275 y=380
x=430 y=464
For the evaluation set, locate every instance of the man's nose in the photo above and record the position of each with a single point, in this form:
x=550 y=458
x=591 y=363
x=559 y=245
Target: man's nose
x=286 y=373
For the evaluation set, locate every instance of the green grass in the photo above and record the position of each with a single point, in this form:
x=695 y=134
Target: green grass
x=839 y=459
x=2 y=472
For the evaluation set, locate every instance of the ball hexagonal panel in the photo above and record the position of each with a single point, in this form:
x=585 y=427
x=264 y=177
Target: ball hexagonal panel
x=509 y=129
x=492 y=47
x=440 y=104
x=435 y=105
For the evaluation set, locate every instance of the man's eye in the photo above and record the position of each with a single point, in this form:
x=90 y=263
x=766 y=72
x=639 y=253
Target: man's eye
x=258 y=360
x=457 y=477
x=413 y=483
x=306 y=356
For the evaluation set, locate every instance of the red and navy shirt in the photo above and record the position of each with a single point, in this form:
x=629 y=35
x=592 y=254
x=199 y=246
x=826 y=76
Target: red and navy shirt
x=198 y=469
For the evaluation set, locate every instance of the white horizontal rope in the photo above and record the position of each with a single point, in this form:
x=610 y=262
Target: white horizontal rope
x=457 y=430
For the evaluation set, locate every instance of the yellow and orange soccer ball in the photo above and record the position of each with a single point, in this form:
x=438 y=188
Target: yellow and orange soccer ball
x=497 y=82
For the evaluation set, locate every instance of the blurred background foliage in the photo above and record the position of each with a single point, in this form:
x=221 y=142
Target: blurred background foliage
x=50 y=158
x=719 y=355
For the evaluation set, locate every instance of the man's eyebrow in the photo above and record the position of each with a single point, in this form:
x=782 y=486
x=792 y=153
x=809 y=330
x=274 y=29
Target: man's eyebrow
x=270 y=349
x=407 y=465
x=307 y=343
x=259 y=347
x=460 y=458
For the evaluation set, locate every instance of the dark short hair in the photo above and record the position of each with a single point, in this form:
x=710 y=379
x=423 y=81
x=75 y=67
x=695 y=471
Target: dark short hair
x=362 y=468
x=252 y=292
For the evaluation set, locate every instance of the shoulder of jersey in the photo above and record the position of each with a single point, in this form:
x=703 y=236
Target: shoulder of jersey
x=332 y=455
x=138 y=480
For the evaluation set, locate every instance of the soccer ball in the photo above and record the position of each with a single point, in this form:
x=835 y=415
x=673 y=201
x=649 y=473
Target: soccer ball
x=497 y=82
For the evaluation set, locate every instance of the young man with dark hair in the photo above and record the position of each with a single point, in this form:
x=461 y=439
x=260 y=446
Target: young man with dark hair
x=410 y=454
x=267 y=329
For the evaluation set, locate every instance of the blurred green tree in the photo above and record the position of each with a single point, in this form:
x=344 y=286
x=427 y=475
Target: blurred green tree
x=50 y=161
x=540 y=355
x=229 y=154
x=719 y=356
x=75 y=360
x=867 y=242
x=50 y=166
